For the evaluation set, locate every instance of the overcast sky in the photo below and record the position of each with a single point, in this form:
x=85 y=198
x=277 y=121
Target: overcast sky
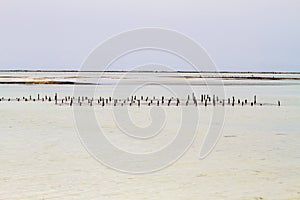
x=253 y=35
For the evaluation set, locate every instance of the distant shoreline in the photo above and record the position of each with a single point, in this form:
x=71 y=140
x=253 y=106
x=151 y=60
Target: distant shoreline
x=145 y=71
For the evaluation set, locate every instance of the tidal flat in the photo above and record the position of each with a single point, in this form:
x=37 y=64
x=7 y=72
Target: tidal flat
x=256 y=157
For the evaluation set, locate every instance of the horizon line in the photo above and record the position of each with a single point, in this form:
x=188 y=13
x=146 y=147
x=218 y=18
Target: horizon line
x=150 y=71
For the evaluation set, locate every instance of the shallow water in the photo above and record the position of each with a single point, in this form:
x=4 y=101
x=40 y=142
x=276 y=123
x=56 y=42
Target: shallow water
x=257 y=156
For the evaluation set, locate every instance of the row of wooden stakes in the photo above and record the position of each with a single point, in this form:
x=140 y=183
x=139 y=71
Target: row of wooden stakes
x=204 y=99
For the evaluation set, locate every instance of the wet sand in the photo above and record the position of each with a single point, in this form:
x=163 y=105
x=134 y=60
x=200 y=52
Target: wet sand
x=257 y=156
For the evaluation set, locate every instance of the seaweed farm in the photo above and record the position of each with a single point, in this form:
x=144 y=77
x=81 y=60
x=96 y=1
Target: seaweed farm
x=191 y=100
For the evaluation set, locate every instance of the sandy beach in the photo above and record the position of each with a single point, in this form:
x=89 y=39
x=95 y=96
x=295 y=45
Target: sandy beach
x=256 y=157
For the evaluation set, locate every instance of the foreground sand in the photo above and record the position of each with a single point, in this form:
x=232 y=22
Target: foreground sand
x=257 y=157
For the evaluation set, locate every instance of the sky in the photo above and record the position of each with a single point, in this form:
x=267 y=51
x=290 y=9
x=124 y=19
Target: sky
x=239 y=35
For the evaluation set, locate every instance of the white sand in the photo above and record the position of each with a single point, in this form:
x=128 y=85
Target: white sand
x=257 y=157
